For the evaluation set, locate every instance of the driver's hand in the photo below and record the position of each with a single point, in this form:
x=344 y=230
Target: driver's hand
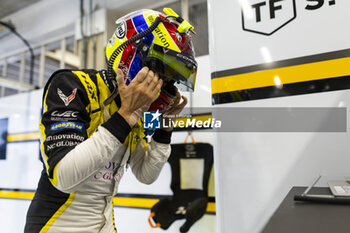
x=175 y=109
x=138 y=95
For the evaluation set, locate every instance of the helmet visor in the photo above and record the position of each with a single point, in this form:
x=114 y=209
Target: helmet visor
x=171 y=65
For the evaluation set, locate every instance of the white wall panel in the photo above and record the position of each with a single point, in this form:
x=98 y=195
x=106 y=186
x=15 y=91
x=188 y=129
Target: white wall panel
x=21 y=168
x=311 y=32
x=13 y=215
x=254 y=171
x=125 y=224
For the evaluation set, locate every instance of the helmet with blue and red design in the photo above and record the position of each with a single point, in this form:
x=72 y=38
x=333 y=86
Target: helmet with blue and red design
x=159 y=41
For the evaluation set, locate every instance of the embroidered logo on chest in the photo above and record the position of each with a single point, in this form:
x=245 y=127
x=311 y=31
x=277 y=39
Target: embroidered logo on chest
x=66 y=99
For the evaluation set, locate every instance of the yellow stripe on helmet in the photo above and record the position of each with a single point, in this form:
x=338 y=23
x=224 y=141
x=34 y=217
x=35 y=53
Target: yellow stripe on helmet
x=161 y=35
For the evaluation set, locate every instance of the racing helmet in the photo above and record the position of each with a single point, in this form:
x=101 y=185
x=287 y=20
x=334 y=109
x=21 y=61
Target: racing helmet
x=159 y=41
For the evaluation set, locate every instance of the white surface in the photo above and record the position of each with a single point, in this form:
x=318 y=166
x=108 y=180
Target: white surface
x=193 y=168
x=22 y=166
x=98 y=24
x=265 y=166
x=231 y=47
x=13 y=215
x=254 y=171
x=40 y=22
x=125 y=224
x=47 y=20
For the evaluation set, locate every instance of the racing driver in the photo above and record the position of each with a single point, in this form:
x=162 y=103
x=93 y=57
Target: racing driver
x=92 y=126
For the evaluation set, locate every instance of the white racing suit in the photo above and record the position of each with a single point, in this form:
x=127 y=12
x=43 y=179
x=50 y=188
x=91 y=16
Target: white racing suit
x=84 y=155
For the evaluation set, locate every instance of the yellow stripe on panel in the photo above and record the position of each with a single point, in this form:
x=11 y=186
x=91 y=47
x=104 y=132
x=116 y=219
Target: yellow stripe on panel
x=23 y=137
x=285 y=75
x=211 y=208
x=134 y=202
x=16 y=195
x=117 y=201
x=148 y=203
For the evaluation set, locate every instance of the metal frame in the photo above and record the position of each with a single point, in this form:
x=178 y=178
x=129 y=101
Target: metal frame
x=42 y=66
x=21 y=85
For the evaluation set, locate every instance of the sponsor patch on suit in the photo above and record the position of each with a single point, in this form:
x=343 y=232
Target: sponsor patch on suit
x=67 y=125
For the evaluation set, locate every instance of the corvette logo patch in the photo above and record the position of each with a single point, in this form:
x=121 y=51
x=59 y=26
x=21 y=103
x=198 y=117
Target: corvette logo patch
x=66 y=99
